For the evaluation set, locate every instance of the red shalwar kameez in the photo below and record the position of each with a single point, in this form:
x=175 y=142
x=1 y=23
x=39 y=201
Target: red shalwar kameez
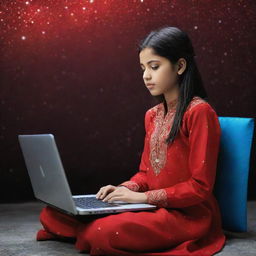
x=179 y=179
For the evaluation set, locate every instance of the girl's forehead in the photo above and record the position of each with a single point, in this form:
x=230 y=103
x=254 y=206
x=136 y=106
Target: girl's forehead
x=147 y=54
x=147 y=51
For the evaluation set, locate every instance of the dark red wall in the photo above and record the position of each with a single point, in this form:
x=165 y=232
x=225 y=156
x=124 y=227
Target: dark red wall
x=71 y=68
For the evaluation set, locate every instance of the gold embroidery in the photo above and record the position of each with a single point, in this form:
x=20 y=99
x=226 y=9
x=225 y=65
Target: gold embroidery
x=157 y=197
x=158 y=146
x=195 y=101
x=162 y=128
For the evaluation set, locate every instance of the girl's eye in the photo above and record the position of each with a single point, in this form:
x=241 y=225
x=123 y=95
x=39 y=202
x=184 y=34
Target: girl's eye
x=153 y=67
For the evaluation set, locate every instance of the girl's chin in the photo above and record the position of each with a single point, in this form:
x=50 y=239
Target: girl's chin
x=154 y=93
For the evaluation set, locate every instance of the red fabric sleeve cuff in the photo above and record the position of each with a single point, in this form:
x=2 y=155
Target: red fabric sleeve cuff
x=157 y=197
x=131 y=185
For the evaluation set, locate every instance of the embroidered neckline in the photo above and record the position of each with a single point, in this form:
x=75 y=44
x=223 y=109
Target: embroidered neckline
x=158 y=146
x=162 y=127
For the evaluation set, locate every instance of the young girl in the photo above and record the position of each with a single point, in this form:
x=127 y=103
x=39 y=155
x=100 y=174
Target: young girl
x=176 y=172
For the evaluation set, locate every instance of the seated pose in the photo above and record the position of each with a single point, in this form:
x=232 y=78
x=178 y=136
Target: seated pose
x=176 y=173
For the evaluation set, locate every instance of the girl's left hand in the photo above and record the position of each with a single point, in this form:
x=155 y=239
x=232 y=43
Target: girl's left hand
x=126 y=195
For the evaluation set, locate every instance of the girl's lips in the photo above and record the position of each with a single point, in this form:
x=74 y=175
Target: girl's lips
x=150 y=86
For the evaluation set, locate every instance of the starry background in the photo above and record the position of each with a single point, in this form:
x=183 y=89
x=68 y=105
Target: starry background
x=71 y=68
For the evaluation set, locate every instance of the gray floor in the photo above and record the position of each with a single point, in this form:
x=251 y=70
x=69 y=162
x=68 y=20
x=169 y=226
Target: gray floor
x=19 y=223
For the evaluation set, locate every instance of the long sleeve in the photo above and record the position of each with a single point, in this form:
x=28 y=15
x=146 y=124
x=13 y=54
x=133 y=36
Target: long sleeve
x=204 y=137
x=138 y=182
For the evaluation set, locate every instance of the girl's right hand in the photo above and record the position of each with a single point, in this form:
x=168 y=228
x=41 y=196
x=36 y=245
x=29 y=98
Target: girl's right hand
x=104 y=191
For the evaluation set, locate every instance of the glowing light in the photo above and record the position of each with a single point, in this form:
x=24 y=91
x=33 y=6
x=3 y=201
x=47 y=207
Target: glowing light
x=84 y=8
x=38 y=10
x=43 y=32
x=23 y=38
x=27 y=2
x=66 y=7
x=91 y=1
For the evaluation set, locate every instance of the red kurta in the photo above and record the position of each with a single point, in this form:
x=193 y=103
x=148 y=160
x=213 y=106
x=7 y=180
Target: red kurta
x=179 y=179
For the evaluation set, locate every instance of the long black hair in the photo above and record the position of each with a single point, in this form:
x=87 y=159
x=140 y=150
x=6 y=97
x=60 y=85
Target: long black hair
x=173 y=44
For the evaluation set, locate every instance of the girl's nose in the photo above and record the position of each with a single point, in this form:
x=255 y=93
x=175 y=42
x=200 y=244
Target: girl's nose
x=146 y=75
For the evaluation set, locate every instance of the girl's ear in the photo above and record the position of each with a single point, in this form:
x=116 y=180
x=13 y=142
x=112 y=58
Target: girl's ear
x=182 y=64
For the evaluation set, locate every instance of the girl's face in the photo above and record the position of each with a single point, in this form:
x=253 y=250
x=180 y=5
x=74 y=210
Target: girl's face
x=159 y=74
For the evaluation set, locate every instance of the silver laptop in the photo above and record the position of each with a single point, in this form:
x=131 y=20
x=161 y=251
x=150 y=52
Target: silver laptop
x=50 y=184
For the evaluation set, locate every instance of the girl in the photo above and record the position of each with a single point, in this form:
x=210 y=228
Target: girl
x=176 y=172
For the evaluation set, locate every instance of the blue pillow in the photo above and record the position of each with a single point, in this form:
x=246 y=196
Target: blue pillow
x=232 y=171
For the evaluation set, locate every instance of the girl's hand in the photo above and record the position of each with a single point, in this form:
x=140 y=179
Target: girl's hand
x=104 y=191
x=126 y=195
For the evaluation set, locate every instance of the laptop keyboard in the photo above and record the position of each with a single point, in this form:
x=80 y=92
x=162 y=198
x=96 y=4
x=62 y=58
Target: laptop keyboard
x=91 y=202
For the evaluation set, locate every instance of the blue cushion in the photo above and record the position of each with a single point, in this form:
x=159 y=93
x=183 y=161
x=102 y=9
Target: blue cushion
x=232 y=171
